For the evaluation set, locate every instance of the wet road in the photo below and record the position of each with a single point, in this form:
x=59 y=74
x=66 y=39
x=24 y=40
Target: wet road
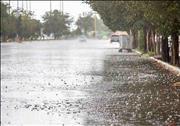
x=74 y=83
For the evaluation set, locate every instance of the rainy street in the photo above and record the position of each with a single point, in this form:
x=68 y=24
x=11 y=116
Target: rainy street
x=68 y=82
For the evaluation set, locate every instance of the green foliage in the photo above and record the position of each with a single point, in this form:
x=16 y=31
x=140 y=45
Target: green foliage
x=100 y=27
x=125 y=15
x=90 y=23
x=85 y=23
x=76 y=32
x=23 y=24
x=8 y=22
x=117 y=15
x=57 y=23
x=150 y=53
x=162 y=15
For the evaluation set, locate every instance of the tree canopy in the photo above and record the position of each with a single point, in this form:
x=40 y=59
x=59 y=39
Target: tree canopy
x=85 y=23
x=18 y=22
x=57 y=23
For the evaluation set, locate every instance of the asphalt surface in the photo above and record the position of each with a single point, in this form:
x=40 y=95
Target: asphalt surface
x=68 y=82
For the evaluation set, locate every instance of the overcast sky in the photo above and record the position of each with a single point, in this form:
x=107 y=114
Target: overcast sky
x=74 y=8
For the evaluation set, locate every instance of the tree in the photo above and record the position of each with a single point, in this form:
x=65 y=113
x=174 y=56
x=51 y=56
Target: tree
x=152 y=16
x=166 y=18
x=119 y=15
x=8 y=23
x=29 y=26
x=89 y=23
x=22 y=25
x=85 y=23
x=76 y=32
x=57 y=23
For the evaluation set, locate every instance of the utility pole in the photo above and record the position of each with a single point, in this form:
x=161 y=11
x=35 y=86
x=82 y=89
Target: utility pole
x=62 y=7
x=50 y=7
x=17 y=8
x=9 y=6
x=17 y=4
x=22 y=5
x=27 y=5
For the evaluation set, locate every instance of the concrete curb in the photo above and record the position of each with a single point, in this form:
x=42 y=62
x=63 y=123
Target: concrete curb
x=165 y=65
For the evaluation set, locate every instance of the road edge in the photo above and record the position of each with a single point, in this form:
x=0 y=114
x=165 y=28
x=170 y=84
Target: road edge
x=165 y=65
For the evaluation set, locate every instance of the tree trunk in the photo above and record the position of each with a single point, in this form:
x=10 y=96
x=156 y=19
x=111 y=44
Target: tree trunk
x=158 y=42
x=165 y=49
x=153 y=40
x=149 y=40
x=175 y=49
x=134 y=33
x=145 y=40
x=138 y=39
x=175 y=44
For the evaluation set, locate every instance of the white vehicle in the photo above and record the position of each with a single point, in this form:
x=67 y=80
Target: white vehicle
x=125 y=40
x=82 y=38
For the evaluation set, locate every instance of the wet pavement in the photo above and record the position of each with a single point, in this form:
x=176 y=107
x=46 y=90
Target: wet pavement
x=84 y=83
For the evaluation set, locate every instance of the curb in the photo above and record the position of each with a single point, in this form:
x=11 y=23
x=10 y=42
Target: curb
x=165 y=65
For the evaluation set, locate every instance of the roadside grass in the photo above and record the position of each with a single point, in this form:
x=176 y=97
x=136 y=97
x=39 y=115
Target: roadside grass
x=148 y=54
